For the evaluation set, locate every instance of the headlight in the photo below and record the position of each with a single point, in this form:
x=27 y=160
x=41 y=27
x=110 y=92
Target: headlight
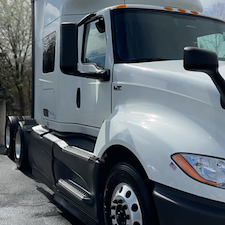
x=202 y=168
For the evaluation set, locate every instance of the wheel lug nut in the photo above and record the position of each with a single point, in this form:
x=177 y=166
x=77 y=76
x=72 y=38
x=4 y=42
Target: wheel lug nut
x=115 y=201
x=127 y=217
x=124 y=207
x=113 y=207
x=120 y=201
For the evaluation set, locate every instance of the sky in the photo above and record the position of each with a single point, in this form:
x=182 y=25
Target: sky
x=208 y=3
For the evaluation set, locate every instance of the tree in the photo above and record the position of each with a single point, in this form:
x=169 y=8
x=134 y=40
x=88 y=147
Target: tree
x=212 y=42
x=215 y=42
x=15 y=53
x=218 y=10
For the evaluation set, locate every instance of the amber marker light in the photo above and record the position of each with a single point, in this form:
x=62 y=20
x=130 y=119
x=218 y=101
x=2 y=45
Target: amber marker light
x=188 y=169
x=168 y=8
x=182 y=10
x=121 y=6
x=194 y=12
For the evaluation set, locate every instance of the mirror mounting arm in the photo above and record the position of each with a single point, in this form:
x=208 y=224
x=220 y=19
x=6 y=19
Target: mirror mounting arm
x=103 y=75
x=219 y=83
x=202 y=60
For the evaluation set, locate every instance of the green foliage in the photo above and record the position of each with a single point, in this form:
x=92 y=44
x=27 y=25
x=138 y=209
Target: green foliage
x=15 y=55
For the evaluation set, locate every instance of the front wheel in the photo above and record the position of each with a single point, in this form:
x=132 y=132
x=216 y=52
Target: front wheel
x=127 y=201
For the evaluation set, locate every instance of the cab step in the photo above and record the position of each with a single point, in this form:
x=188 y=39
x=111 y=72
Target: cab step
x=76 y=190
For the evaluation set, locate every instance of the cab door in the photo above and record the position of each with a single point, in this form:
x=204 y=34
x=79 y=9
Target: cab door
x=94 y=51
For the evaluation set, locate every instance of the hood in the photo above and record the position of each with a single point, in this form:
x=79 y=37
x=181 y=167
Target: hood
x=170 y=77
x=177 y=67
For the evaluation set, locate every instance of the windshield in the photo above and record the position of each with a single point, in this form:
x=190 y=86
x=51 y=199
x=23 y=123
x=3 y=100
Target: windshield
x=141 y=35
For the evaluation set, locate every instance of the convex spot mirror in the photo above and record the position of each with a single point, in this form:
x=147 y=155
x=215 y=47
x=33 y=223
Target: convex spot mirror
x=100 y=25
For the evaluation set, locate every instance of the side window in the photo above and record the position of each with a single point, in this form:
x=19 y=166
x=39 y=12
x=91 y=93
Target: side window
x=214 y=42
x=49 y=53
x=94 y=49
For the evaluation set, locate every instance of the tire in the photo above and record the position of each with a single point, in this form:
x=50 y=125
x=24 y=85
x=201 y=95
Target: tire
x=126 y=198
x=10 y=131
x=21 y=147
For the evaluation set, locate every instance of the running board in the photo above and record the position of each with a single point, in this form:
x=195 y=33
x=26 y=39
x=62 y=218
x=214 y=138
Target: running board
x=76 y=190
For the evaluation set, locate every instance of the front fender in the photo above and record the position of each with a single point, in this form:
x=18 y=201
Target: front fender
x=153 y=133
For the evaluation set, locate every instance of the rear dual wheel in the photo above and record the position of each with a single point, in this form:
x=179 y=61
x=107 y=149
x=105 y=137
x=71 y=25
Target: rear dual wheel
x=10 y=132
x=127 y=200
x=21 y=147
x=7 y=137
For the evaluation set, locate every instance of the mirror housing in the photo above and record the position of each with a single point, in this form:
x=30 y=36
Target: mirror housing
x=68 y=48
x=202 y=60
x=69 y=54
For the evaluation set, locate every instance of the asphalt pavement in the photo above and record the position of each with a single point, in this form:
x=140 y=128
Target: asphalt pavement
x=25 y=201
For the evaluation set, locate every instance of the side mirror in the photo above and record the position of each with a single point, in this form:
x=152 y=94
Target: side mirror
x=68 y=48
x=202 y=60
x=69 y=53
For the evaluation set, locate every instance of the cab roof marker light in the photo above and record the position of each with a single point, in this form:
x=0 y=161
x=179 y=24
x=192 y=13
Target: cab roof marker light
x=121 y=6
x=182 y=10
x=168 y=8
x=189 y=170
x=194 y=12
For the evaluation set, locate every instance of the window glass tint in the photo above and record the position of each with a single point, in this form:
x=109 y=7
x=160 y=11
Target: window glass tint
x=49 y=53
x=214 y=42
x=94 y=50
x=150 y=35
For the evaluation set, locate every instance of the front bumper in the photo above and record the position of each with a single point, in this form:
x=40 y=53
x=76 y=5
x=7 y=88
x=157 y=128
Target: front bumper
x=178 y=208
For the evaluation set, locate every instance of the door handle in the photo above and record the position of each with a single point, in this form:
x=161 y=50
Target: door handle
x=78 y=97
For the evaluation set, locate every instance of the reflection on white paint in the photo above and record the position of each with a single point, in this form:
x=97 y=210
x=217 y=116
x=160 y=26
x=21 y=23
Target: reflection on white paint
x=51 y=13
x=149 y=121
x=45 y=81
x=166 y=198
x=95 y=84
x=153 y=168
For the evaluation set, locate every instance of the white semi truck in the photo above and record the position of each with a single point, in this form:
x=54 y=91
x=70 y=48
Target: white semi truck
x=128 y=122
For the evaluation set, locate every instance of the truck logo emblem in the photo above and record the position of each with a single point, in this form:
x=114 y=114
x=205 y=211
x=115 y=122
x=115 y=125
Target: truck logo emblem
x=117 y=88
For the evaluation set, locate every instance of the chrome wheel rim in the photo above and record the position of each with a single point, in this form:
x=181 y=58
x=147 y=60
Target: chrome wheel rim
x=18 y=146
x=7 y=137
x=125 y=207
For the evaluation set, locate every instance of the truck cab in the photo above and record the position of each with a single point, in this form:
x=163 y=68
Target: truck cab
x=128 y=104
